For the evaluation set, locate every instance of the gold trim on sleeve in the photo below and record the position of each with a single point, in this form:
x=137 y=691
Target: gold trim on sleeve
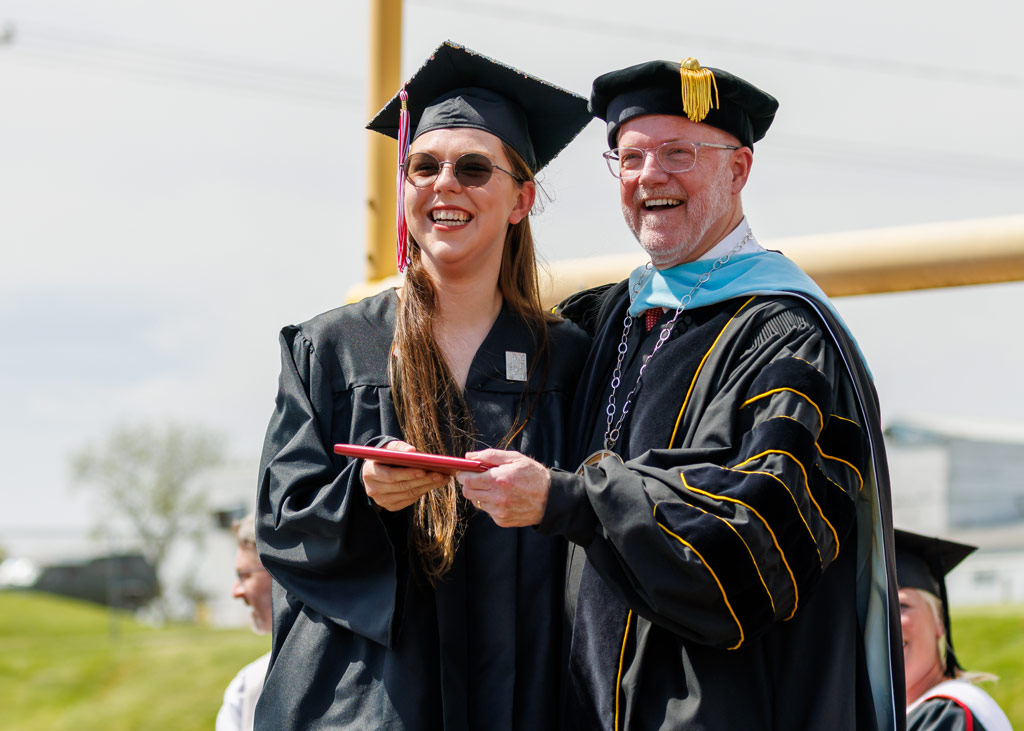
x=714 y=576
x=807 y=487
x=752 y=399
x=782 y=554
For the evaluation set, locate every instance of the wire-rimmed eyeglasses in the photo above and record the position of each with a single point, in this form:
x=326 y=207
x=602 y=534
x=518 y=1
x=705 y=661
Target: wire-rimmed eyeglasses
x=674 y=157
x=472 y=170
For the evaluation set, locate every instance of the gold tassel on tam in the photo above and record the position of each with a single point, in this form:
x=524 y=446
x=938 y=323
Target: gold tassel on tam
x=697 y=86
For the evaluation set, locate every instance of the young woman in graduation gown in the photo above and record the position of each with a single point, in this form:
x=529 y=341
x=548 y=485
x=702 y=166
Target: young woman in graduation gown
x=399 y=605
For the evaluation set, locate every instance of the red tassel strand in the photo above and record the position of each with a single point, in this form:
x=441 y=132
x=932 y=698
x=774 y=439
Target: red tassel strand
x=402 y=254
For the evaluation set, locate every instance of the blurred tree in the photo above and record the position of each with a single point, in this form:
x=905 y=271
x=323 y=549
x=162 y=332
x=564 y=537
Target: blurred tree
x=146 y=476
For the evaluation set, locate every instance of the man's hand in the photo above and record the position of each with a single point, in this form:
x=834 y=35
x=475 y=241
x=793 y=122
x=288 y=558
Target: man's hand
x=395 y=488
x=514 y=491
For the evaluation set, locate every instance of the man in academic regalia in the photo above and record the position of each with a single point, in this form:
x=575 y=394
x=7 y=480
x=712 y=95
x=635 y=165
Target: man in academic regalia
x=732 y=563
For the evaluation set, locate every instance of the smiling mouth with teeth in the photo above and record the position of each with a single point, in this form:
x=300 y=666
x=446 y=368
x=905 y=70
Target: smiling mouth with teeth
x=450 y=216
x=659 y=203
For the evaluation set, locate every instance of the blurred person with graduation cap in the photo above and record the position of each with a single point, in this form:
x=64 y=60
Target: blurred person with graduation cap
x=730 y=521
x=941 y=696
x=398 y=604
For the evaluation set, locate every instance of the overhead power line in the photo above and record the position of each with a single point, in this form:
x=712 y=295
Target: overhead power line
x=134 y=58
x=815 y=150
x=93 y=52
x=746 y=46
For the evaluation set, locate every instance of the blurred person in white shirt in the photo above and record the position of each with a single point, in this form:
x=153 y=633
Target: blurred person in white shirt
x=252 y=586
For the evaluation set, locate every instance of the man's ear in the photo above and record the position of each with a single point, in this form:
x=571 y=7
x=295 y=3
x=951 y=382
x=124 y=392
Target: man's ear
x=739 y=165
x=524 y=202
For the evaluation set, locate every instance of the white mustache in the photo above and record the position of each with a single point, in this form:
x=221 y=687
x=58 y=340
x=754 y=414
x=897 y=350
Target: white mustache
x=644 y=194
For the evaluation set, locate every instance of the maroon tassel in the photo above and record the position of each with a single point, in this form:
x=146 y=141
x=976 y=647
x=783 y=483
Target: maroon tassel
x=402 y=254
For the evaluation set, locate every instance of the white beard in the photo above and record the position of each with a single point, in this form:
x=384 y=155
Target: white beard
x=702 y=212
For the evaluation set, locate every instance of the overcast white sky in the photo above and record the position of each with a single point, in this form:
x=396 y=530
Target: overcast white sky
x=180 y=179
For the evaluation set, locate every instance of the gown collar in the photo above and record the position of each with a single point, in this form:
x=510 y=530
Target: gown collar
x=751 y=270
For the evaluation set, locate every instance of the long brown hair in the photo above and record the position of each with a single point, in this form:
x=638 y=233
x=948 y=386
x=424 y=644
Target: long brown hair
x=431 y=409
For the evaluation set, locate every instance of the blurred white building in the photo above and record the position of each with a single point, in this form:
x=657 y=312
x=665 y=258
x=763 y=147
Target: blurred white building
x=962 y=480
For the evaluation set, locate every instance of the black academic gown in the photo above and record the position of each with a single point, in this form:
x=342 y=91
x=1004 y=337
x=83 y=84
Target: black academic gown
x=718 y=589
x=361 y=640
x=943 y=714
x=956 y=705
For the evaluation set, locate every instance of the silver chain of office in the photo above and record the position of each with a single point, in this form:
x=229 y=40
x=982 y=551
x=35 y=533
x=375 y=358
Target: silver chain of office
x=612 y=432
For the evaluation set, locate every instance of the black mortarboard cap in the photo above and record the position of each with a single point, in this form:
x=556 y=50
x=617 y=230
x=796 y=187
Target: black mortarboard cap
x=457 y=87
x=922 y=562
x=708 y=95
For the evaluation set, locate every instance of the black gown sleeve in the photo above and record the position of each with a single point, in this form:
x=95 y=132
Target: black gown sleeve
x=943 y=714
x=719 y=540
x=319 y=535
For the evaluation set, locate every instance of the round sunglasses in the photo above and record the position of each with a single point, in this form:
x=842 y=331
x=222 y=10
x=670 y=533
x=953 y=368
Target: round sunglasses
x=472 y=170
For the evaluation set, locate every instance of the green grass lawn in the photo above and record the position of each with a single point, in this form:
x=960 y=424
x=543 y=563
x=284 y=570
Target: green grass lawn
x=69 y=665
x=991 y=639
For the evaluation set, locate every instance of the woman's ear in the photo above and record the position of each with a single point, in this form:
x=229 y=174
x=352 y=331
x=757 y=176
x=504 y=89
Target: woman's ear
x=524 y=202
